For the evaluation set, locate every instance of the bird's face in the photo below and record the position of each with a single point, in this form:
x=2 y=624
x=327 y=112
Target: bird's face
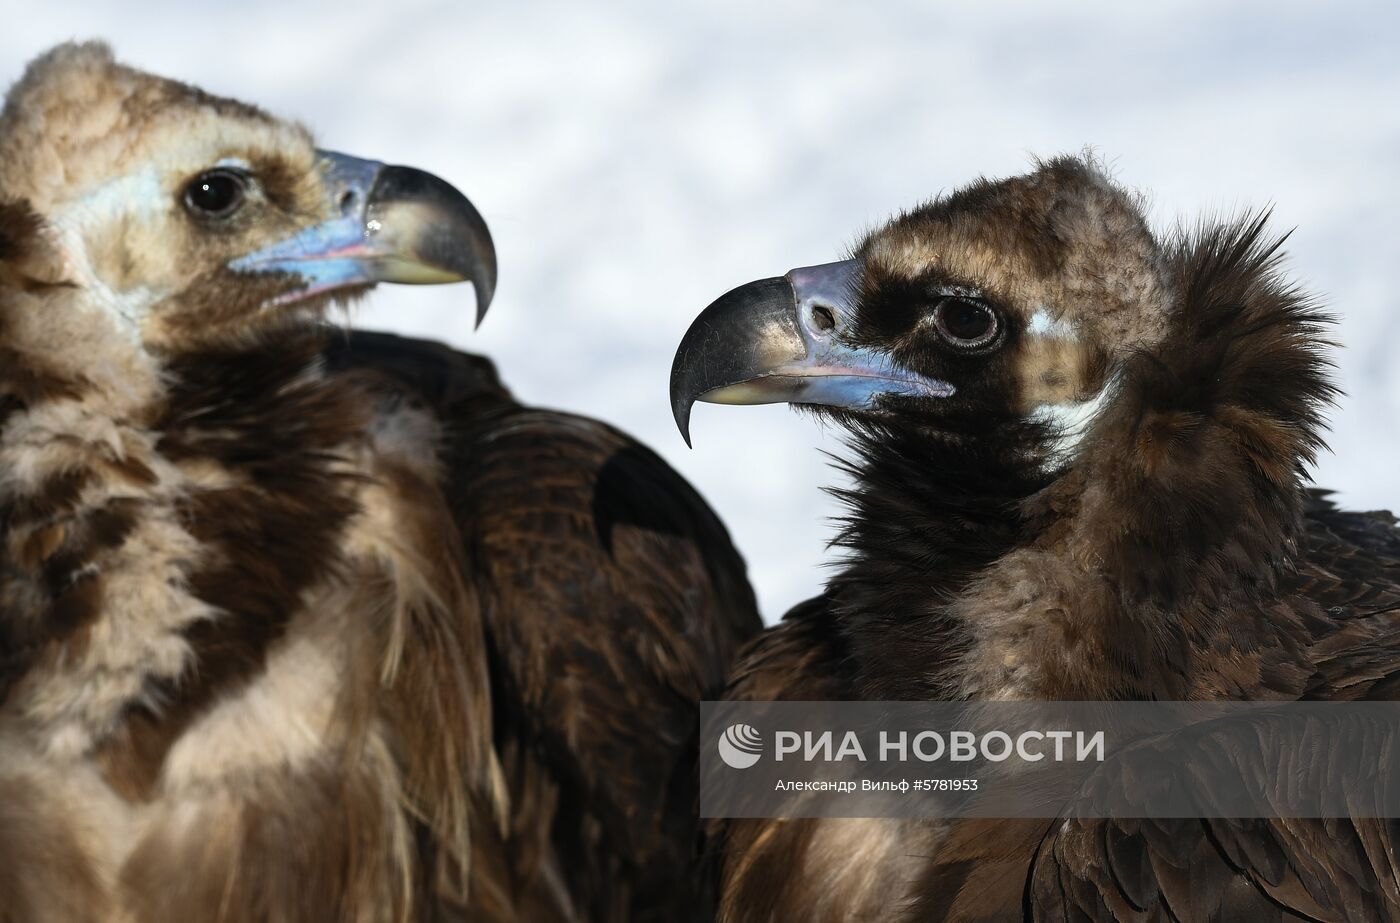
x=1005 y=302
x=187 y=219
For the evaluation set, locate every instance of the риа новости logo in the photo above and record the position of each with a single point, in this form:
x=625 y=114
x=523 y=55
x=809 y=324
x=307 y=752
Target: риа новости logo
x=740 y=746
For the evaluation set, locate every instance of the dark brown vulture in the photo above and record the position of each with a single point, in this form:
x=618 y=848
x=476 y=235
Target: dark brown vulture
x=301 y=626
x=1078 y=467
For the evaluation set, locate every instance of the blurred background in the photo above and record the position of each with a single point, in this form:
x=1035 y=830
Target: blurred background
x=637 y=159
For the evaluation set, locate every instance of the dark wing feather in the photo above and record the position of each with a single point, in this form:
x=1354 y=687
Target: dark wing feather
x=1260 y=869
x=614 y=600
x=1353 y=574
x=1216 y=869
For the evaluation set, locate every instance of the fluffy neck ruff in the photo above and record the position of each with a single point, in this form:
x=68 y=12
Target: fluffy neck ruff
x=971 y=573
x=162 y=516
x=189 y=542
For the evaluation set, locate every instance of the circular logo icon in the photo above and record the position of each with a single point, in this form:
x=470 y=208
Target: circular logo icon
x=740 y=746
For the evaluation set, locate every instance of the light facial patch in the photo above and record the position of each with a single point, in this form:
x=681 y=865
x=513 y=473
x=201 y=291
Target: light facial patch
x=135 y=196
x=1068 y=423
x=1041 y=324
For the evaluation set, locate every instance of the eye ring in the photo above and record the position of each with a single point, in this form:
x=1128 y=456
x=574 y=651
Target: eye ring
x=966 y=323
x=216 y=193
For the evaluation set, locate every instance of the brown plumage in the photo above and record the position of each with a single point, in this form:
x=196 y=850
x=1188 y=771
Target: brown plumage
x=613 y=602
x=300 y=625
x=1100 y=494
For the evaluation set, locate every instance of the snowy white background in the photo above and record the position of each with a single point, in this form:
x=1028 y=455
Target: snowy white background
x=637 y=159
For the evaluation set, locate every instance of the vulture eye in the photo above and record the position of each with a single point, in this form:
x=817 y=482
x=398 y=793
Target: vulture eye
x=215 y=194
x=965 y=322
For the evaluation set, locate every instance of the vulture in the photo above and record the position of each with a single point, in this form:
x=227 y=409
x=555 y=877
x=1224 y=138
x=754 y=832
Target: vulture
x=305 y=625
x=1077 y=471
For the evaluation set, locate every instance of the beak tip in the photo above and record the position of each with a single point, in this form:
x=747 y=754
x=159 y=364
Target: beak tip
x=483 y=300
x=682 y=393
x=680 y=410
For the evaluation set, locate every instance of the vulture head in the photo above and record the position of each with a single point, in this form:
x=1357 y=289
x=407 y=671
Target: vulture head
x=1013 y=311
x=1005 y=305
x=138 y=209
x=1053 y=410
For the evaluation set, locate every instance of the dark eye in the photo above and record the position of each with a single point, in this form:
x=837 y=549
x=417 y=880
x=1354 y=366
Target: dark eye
x=965 y=322
x=215 y=194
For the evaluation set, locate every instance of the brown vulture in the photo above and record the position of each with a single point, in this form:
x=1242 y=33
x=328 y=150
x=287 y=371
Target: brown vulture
x=297 y=625
x=1078 y=472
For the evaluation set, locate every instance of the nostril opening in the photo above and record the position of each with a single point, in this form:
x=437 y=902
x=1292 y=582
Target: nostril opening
x=348 y=201
x=823 y=318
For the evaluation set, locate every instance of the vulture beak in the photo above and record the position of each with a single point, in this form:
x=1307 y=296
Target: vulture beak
x=391 y=224
x=785 y=340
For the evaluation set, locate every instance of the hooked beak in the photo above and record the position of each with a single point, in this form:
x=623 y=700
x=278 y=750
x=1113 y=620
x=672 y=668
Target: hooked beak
x=784 y=340
x=391 y=224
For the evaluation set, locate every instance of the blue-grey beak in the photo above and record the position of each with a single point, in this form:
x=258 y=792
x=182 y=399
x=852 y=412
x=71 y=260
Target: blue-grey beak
x=390 y=224
x=784 y=340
